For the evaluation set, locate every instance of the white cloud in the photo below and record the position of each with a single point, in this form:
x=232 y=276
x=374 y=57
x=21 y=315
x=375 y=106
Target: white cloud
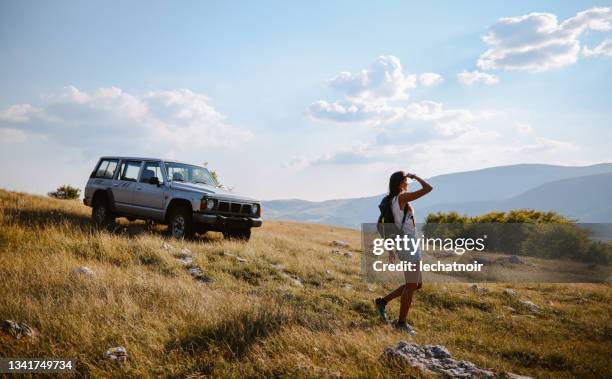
x=18 y=113
x=371 y=96
x=523 y=128
x=604 y=48
x=429 y=79
x=111 y=119
x=385 y=79
x=538 y=42
x=469 y=78
x=347 y=111
x=10 y=136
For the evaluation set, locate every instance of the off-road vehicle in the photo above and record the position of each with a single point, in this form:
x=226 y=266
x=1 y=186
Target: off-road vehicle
x=186 y=197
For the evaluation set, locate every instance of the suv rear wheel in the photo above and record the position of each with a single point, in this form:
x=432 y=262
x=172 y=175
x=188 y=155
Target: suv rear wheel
x=101 y=214
x=240 y=234
x=181 y=225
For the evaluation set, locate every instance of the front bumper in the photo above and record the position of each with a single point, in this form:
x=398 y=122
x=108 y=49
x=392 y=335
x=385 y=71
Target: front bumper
x=220 y=221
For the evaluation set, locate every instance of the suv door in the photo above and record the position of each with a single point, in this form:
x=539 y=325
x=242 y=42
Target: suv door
x=148 y=198
x=124 y=185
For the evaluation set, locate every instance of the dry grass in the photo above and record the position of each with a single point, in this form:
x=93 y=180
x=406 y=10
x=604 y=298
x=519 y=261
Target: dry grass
x=252 y=319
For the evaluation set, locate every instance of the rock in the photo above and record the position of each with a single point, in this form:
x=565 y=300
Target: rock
x=440 y=352
x=515 y=260
x=226 y=254
x=185 y=251
x=336 y=251
x=510 y=292
x=511 y=375
x=348 y=254
x=185 y=260
x=339 y=243
x=197 y=274
x=480 y=290
x=167 y=246
x=529 y=305
x=19 y=330
x=297 y=281
x=347 y=287
x=278 y=266
x=117 y=354
x=329 y=272
x=242 y=260
x=85 y=271
x=436 y=359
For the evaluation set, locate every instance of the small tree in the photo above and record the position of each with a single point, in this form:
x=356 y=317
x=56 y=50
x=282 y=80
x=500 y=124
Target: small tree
x=214 y=175
x=66 y=192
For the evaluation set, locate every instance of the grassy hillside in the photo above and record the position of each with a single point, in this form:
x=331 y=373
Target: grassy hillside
x=253 y=316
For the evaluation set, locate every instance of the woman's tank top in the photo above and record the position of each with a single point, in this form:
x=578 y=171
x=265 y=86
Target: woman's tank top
x=409 y=225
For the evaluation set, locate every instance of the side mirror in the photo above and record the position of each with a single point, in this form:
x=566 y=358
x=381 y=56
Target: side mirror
x=154 y=180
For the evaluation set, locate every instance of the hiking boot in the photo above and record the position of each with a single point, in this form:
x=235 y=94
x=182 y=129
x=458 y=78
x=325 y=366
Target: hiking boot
x=381 y=304
x=403 y=326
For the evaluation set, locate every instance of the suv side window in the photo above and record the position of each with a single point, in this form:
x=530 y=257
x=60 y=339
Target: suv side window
x=130 y=170
x=106 y=169
x=152 y=170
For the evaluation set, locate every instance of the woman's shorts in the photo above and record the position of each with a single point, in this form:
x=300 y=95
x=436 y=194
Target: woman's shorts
x=411 y=276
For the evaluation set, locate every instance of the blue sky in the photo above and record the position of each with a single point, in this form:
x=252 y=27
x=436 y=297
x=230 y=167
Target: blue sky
x=312 y=100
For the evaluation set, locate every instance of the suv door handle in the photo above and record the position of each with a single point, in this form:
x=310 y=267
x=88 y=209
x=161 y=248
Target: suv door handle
x=115 y=184
x=138 y=188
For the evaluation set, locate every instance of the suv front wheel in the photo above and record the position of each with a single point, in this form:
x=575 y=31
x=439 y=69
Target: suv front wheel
x=101 y=214
x=181 y=225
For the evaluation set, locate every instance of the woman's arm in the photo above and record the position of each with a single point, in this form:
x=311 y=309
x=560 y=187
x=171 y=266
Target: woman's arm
x=410 y=196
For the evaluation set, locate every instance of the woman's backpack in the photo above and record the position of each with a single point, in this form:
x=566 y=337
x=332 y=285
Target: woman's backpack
x=386 y=224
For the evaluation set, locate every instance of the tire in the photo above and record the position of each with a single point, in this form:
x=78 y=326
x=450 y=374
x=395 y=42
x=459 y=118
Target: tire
x=242 y=235
x=102 y=215
x=181 y=224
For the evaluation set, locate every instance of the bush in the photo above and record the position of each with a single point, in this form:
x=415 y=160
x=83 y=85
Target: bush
x=523 y=232
x=66 y=192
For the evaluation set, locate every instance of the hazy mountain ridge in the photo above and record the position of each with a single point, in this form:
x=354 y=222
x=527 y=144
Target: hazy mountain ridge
x=579 y=192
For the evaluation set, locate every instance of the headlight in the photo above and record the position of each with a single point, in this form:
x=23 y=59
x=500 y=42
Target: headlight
x=255 y=209
x=207 y=204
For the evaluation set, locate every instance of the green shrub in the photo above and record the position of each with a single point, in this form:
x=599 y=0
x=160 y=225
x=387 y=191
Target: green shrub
x=66 y=192
x=523 y=232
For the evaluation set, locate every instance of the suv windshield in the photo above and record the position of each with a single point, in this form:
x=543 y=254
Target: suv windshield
x=180 y=172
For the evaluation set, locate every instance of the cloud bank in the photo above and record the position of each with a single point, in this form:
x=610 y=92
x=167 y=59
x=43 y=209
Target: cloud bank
x=112 y=119
x=421 y=131
x=370 y=93
x=539 y=42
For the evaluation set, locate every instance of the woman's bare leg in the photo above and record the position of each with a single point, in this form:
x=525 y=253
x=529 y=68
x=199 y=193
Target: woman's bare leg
x=406 y=301
x=396 y=293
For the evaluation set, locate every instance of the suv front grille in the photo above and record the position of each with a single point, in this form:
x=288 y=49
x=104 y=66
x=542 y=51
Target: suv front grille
x=235 y=208
x=224 y=206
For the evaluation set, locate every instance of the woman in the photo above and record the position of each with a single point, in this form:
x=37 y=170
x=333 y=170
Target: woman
x=400 y=203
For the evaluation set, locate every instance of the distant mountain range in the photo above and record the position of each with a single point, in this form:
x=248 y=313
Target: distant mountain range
x=583 y=193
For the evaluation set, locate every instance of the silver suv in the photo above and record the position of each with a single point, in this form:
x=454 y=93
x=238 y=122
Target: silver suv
x=185 y=197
